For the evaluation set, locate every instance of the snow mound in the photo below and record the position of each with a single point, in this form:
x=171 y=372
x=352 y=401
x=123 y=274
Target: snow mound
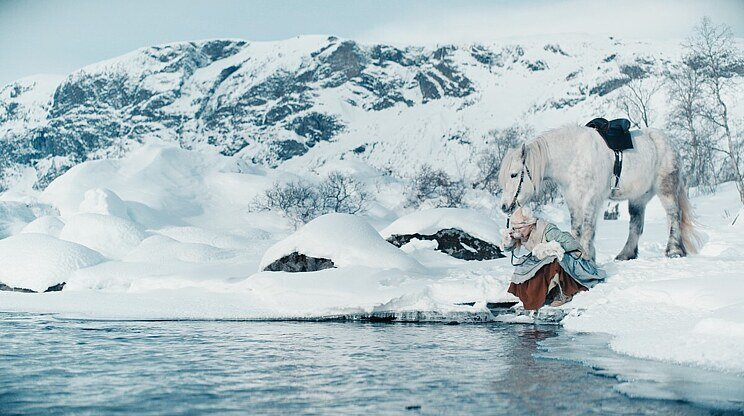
x=103 y=201
x=113 y=237
x=38 y=261
x=217 y=239
x=345 y=239
x=430 y=221
x=13 y=217
x=161 y=249
x=47 y=224
x=158 y=178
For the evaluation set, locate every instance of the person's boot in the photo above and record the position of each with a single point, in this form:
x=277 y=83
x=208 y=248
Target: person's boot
x=560 y=298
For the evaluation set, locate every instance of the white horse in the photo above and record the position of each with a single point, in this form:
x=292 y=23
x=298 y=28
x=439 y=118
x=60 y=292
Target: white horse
x=577 y=159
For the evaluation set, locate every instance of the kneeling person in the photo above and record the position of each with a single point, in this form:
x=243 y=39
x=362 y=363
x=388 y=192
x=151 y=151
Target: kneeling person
x=554 y=270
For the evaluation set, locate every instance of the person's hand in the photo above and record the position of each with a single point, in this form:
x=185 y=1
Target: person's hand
x=551 y=248
x=506 y=239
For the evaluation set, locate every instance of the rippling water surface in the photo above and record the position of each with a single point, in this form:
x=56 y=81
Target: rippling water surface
x=57 y=366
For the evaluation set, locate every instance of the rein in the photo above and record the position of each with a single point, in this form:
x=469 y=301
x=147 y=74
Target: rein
x=516 y=203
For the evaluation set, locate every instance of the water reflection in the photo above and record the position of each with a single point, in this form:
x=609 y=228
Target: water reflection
x=53 y=366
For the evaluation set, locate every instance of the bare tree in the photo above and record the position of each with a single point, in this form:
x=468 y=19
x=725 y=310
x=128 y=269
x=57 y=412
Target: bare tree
x=712 y=50
x=634 y=99
x=691 y=132
x=499 y=141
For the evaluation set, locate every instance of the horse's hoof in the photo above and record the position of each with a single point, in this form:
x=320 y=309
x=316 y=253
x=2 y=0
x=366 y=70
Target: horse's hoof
x=675 y=254
x=624 y=257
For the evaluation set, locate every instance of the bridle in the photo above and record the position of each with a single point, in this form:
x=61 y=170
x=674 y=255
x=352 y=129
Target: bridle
x=515 y=202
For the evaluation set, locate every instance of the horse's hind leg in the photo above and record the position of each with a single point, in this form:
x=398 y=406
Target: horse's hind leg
x=667 y=191
x=637 y=210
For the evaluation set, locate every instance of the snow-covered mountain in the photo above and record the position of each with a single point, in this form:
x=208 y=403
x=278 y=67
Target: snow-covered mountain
x=302 y=101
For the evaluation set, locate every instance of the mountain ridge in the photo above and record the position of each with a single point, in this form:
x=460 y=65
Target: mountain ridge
x=298 y=102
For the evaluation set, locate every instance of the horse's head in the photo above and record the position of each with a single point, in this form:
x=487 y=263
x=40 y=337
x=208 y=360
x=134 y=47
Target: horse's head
x=516 y=179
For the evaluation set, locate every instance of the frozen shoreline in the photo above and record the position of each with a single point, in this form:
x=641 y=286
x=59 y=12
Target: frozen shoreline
x=166 y=234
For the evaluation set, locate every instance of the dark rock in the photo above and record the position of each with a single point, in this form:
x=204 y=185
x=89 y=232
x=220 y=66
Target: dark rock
x=383 y=54
x=297 y=262
x=608 y=86
x=567 y=102
x=484 y=55
x=610 y=58
x=56 y=288
x=287 y=149
x=572 y=75
x=555 y=48
x=633 y=71
x=342 y=64
x=388 y=93
x=6 y=288
x=454 y=242
x=428 y=88
x=538 y=65
x=316 y=127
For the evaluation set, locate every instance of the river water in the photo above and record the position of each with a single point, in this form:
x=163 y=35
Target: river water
x=59 y=366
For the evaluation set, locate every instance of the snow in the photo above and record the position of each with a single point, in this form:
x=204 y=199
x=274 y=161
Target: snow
x=688 y=310
x=345 y=239
x=103 y=201
x=46 y=224
x=160 y=249
x=111 y=236
x=13 y=217
x=38 y=261
x=167 y=233
x=428 y=222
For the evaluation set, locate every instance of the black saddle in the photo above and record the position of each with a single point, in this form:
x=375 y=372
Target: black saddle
x=616 y=134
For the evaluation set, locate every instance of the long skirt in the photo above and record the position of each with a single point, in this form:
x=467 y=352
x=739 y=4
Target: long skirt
x=533 y=292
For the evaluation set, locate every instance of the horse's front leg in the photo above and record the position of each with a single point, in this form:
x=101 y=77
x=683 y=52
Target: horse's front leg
x=588 y=228
x=576 y=210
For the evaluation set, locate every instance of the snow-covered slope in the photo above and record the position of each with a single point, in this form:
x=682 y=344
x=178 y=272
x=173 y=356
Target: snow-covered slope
x=305 y=101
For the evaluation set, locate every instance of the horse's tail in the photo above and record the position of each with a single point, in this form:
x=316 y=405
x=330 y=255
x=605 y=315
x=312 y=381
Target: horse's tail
x=692 y=237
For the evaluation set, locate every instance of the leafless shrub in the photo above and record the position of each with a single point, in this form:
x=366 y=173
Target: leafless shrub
x=301 y=201
x=434 y=187
x=343 y=193
x=549 y=192
x=499 y=141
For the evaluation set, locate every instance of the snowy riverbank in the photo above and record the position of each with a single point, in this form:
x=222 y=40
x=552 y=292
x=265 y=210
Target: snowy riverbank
x=167 y=234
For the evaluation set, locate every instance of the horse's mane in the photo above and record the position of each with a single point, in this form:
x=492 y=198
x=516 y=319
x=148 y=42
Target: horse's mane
x=537 y=153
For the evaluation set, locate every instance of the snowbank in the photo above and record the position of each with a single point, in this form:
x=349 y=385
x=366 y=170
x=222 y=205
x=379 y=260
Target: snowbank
x=111 y=236
x=160 y=185
x=161 y=249
x=181 y=242
x=103 y=201
x=13 y=217
x=38 y=261
x=430 y=221
x=345 y=239
x=46 y=224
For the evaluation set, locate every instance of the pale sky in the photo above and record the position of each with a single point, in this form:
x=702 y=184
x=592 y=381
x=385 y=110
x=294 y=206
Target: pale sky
x=59 y=36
